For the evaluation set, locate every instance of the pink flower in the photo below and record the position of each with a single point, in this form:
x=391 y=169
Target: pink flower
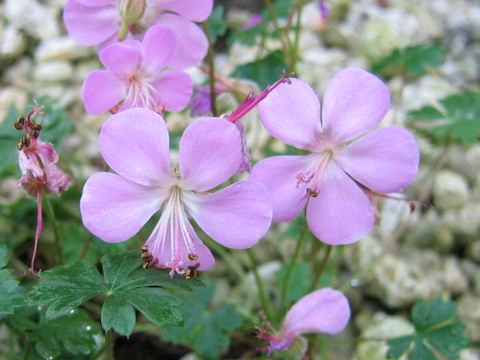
x=324 y=11
x=325 y=311
x=38 y=160
x=104 y=22
x=136 y=76
x=253 y=21
x=135 y=144
x=38 y=164
x=346 y=167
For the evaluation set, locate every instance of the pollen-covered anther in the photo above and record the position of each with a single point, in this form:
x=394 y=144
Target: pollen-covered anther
x=18 y=126
x=192 y=271
x=192 y=257
x=312 y=192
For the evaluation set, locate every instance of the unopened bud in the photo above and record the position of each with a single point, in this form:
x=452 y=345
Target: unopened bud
x=131 y=11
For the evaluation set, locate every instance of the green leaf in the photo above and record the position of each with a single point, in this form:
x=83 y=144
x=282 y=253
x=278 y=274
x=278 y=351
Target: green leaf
x=10 y=298
x=210 y=340
x=66 y=287
x=158 y=305
x=3 y=255
x=413 y=60
x=421 y=352
x=398 y=346
x=426 y=113
x=118 y=314
x=204 y=330
x=435 y=328
x=9 y=138
x=217 y=25
x=458 y=120
x=73 y=333
x=425 y=315
x=124 y=283
x=265 y=71
x=449 y=339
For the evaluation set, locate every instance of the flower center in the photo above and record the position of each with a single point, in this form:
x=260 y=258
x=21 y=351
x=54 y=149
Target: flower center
x=141 y=93
x=171 y=245
x=314 y=175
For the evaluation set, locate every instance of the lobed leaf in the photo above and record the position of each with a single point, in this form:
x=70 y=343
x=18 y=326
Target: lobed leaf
x=125 y=284
x=458 y=120
x=265 y=71
x=435 y=329
x=413 y=60
x=205 y=331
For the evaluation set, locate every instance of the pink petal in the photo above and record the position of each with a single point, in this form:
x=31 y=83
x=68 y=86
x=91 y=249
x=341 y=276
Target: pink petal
x=237 y=216
x=325 y=311
x=291 y=113
x=159 y=46
x=192 y=43
x=279 y=175
x=210 y=153
x=101 y=91
x=341 y=213
x=163 y=251
x=90 y=25
x=385 y=160
x=174 y=90
x=123 y=58
x=195 y=10
x=135 y=144
x=97 y=2
x=355 y=101
x=114 y=209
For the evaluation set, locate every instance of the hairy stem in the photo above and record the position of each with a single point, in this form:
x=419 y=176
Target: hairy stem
x=86 y=246
x=211 y=67
x=38 y=231
x=56 y=233
x=260 y=287
x=321 y=268
x=283 y=36
x=109 y=342
x=286 y=280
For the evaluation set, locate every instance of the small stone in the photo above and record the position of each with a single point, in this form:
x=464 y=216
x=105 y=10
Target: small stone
x=383 y=327
x=20 y=73
x=468 y=309
x=33 y=17
x=363 y=253
x=53 y=72
x=464 y=221
x=473 y=250
x=12 y=42
x=62 y=48
x=476 y=282
x=450 y=190
x=11 y=96
x=401 y=278
x=453 y=277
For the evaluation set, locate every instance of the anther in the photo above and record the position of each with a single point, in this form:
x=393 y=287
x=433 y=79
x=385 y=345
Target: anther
x=17 y=126
x=192 y=271
x=152 y=263
x=192 y=257
x=312 y=192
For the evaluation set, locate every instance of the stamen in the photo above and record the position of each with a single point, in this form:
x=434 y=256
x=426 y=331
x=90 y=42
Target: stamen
x=312 y=192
